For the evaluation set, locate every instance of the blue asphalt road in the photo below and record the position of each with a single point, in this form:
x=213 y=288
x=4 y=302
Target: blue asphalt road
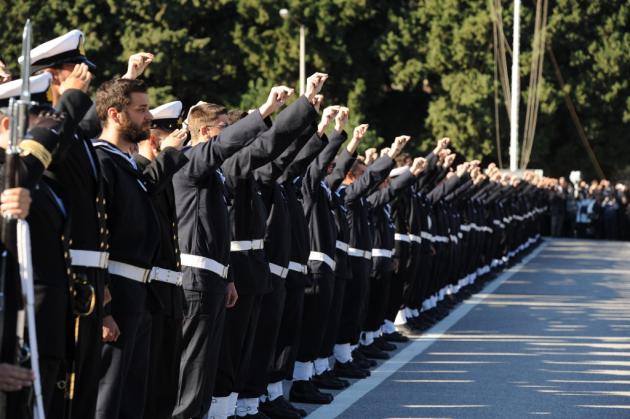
x=552 y=340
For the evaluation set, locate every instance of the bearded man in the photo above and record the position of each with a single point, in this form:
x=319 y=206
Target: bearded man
x=123 y=109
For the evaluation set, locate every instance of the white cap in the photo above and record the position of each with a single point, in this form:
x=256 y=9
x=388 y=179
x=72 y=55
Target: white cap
x=167 y=116
x=66 y=48
x=39 y=86
x=398 y=171
x=170 y=110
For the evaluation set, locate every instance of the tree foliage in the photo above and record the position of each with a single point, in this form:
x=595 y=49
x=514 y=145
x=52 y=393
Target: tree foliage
x=418 y=67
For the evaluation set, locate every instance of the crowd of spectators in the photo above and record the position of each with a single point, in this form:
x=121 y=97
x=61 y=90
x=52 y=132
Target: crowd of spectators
x=598 y=210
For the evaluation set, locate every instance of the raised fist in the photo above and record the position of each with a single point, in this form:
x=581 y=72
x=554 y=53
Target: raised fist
x=341 y=119
x=277 y=96
x=314 y=85
x=441 y=145
x=137 y=64
x=443 y=153
x=317 y=102
x=418 y=166
x=448 y=160
x=357 y=136
x=328 y=115
x=398 y=144
x=370 y=155
x=359 y=132
x=462 y=169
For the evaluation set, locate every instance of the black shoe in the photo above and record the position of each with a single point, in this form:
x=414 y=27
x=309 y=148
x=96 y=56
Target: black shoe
x=384 y=345
x=371 y=351
x=345 y=383
x=306 y=392
x=395 y=337
x=419 y=324
x=327 y=381
x=350 y=370
x=362 y=361
x=287 y=404
x=275 y=409
x=259 y=415
x=408 y=330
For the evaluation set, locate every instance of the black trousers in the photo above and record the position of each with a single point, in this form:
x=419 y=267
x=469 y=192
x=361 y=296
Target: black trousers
x=52 y=317
x=334 y=319
x=354 y=302
x=204 y=318
x=125 y=363
x=88 y=349
x=424 y=278
x=290 y=332
x=235 y=354
x=264 y=348
x=164 y=363
x=380 y=283
x=317 y=302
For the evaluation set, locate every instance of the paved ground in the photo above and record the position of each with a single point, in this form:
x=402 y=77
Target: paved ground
x=548 y=338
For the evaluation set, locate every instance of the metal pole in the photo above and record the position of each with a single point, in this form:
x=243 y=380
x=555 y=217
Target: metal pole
x=516 y=49
x=302 y=59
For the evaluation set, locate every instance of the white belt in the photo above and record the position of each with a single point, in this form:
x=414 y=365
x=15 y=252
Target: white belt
x=427 y=236
x=342 y=246
x=415 y=238
x=278 y=270
x=89 y=258
x=322 y=257
x=128 y=271
x=360 y=253
x=245 y=245
x=207 y=264
x=382 y=253
x=442 y=239
x=402 y=237
x=165 y=275
x=298 y=267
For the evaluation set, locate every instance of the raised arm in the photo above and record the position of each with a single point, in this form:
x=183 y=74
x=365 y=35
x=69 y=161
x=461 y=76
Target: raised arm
x=288 y=125
x=346 y=158
x=405 y=179
x=376 y=172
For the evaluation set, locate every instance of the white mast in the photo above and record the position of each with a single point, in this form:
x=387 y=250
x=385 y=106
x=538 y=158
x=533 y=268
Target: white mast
x=516 y=49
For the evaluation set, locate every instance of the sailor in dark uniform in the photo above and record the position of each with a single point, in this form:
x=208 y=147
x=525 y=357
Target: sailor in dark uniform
x=250 y=265
x=383 y=255
x=277 y=248
x=49 y=225
x=318 y=297
x=274 y=404
x=78 y=172
x=123 y=108
x=406 y=251
x=204 y=236
x=357 y=184
x=165 y=279
x=324 y=377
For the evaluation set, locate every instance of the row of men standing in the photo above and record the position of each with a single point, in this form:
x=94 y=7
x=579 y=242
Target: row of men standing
x=222 y=268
